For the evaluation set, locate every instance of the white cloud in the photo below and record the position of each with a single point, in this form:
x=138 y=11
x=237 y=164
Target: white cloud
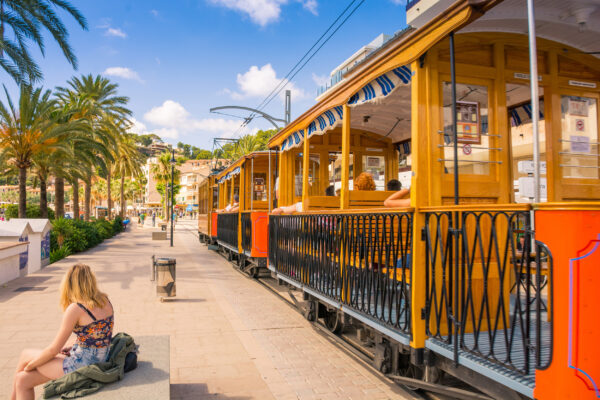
x=263 y=12
x=399 y=2
x=320 y=80
x=123 y=72
x=115 y=32
x=137 y=127
x=310 y=5
x=173 y=120
x=154 y=12
x=259 y=82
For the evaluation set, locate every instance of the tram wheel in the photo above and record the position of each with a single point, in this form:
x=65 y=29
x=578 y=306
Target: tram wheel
x=334 y=322
x=254 y=272
x=310 y=311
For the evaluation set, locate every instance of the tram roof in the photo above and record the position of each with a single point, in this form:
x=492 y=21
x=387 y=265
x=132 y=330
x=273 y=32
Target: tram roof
x=240 y=161
x=556 y=20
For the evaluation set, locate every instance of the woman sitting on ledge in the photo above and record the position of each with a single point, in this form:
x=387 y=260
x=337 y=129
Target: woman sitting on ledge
x=89 y=314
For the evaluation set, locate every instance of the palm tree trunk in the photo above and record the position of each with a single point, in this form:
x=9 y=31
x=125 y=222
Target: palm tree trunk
x=75 y=186
x=109 y=201
x=123 y=205
x=22 y=192
x=87 y=199
x=59 y=197
x=43 y=197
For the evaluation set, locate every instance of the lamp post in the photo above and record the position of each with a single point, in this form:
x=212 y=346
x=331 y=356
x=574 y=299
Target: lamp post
x=172 y=191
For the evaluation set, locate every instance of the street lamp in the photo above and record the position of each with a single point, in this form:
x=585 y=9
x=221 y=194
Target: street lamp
x=173 y=161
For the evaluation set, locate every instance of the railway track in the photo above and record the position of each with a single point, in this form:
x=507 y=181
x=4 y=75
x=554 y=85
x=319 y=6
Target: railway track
x=414 y=389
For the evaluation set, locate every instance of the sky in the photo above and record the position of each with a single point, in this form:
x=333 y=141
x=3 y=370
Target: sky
x=177 y=59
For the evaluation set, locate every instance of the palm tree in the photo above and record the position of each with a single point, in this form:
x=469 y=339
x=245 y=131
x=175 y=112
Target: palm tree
x=97 y=101
x=162 y=175
x=24 y=21
x=29 y=129
x=127 y=163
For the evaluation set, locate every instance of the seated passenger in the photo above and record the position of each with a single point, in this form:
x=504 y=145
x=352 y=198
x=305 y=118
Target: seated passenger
x=398 y=199
x=364 y=182
x=394 y=185
x=330 y=191
x=233 y=207
x=297 y=207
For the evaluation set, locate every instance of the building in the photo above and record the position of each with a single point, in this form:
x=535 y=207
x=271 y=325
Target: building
x=152 y=198
x=192 y=173
x=337 y=75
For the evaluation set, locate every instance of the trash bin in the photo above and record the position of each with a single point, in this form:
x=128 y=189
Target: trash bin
x=165 y=277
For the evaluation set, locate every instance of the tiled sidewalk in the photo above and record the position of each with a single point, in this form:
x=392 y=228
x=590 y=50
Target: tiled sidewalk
x=230 y=337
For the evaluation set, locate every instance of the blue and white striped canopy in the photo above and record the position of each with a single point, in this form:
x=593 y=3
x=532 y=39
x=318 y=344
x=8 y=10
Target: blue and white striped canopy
x=295 y=139
x=229 y=175
x=375 y=90
x=522 y=114
x=382 y=86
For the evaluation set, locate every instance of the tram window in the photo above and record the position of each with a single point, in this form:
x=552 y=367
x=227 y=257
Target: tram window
x=314 y=188
x=579 y=151
x=404 y=163
x=472 y=127
x=375 y=165
x=335 y=170
x=215 y=198
x=260 y=187
x=518 y=102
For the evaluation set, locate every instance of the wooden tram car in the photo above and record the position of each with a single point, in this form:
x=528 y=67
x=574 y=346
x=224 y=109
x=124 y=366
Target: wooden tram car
x=497 y=291
x=208 y=196
x=243 y=235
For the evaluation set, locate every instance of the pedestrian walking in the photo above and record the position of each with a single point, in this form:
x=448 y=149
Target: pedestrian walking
x=153 y=219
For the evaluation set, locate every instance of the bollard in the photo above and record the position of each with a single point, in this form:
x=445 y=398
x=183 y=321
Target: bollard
x=165 y=276
x=153 y=269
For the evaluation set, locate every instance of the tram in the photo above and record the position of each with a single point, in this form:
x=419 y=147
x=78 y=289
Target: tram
x=489 y=274
x=247 y=184
x=476 y=278
x=208 y=196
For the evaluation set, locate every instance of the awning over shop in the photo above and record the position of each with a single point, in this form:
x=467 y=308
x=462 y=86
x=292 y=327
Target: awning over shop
x=374 y=91
x=229 y=175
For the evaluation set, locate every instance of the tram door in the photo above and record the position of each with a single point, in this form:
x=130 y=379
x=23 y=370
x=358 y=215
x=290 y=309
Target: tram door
x=518 y=105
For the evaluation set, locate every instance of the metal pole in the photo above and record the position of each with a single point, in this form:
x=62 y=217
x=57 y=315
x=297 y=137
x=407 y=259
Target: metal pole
x=252 y=184
x=535 y=113
x=269 y=184
x=172 y=194
x=454 y=127
x=288 y=106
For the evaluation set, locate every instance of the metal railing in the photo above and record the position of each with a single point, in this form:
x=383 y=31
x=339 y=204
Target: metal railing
x=481 y=294
x=227 y=229
x=360 y=260
x=247 y=231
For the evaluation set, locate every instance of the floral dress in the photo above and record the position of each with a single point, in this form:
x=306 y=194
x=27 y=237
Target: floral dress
x=93 y=342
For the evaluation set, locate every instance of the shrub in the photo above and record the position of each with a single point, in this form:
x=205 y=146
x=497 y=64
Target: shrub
x=59 y=254
x=105 y=229
x=32 y=211
x=77 y=240
x=117 y=225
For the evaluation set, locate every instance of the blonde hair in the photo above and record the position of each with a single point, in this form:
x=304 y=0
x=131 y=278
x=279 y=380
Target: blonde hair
x=365 y=182
x=79 y=286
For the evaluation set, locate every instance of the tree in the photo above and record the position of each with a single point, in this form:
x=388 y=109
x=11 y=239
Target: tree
x=29 y=129
x=97 y=100
x=204 y=155
x=23 y=21
x=127 y=164
x=162 y=174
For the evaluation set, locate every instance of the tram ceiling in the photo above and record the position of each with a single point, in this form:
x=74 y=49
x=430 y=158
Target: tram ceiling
x=575 y=23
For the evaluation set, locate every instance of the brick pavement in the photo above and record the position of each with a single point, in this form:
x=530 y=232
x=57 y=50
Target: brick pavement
x=230 y=337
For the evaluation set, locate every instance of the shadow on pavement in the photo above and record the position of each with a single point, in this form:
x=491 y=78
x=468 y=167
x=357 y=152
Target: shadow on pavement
x=199 y=391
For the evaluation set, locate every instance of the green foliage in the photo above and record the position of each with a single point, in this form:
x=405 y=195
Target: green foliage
x=59 y=254
x=72 y=236
x=33 y=211
x=245 y=145
x=202 y=154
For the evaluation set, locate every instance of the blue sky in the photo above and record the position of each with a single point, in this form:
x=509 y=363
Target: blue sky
x=177 y=59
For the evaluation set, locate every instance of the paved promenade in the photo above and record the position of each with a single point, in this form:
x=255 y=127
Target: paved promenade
x=230 y=337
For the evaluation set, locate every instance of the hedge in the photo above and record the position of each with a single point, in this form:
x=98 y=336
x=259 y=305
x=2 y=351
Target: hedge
x=70 y=236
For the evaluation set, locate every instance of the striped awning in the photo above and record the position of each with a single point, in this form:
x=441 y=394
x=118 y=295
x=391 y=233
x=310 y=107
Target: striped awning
x=382 y=86
x=522 y=114
x=229 y=175
x=375 y=90
x=295 y=139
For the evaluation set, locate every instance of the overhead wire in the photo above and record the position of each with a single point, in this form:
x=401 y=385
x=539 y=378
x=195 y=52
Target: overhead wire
x=295 y=69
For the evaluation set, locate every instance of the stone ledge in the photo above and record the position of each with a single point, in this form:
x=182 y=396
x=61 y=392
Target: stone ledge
x=149 y=381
